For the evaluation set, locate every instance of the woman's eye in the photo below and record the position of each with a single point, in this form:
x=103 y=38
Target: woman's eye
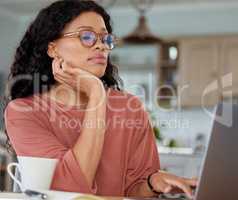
x=87 y=37
x=108 y=39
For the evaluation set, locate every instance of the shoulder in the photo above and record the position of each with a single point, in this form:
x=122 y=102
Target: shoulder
x=123 y=95
x=21 y=107
x=125 y=101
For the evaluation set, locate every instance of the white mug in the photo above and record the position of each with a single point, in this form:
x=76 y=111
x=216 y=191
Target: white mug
x=36 y=173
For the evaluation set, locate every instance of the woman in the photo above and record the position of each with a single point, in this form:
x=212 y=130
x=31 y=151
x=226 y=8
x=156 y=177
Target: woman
x=66 y=103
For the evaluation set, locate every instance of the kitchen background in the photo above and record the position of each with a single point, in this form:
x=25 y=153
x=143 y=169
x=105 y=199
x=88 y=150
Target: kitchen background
x=180 y=69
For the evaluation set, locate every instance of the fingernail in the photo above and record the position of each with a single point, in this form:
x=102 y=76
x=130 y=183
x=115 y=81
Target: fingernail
x=167 y=189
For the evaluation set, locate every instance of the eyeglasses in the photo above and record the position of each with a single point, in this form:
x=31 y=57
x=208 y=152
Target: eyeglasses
x=89 y=38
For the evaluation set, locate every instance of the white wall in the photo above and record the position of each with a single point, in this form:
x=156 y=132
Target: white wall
x=9 y=39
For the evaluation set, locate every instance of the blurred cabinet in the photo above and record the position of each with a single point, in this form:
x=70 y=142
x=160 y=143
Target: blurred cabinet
x=168 y=69
x=203 y=61
x=229 y=61
x=198 y=62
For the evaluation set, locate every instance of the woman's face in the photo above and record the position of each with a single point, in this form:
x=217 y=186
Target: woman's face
x=92 y=59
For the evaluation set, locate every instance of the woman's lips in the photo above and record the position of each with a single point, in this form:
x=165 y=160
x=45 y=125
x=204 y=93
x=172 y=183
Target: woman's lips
x=98 y=60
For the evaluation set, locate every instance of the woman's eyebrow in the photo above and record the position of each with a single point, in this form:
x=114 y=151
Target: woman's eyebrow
x=90 y=27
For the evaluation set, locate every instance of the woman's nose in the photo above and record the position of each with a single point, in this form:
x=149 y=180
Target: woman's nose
x=99 y=44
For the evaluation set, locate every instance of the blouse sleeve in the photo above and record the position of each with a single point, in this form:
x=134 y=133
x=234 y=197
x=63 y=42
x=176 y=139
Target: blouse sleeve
x=143 y=158
x=30 y=136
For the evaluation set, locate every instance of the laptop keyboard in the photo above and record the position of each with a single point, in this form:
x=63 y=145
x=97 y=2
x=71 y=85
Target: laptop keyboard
x=173 y=197
x=164 y=197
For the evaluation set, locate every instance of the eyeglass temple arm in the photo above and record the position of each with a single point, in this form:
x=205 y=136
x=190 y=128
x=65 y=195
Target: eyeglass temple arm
x=70 y=34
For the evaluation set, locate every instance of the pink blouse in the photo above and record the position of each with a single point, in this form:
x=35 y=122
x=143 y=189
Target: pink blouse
x=38 y=126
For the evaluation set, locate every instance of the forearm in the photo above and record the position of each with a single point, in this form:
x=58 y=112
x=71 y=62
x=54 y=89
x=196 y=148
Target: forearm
x=89 y=145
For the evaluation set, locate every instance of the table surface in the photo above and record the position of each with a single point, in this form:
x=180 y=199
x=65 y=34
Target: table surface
x=56 y=195
x=59 y=195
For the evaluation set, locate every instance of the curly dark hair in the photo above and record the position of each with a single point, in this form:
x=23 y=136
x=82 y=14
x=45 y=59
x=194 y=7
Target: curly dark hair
x=31 y=56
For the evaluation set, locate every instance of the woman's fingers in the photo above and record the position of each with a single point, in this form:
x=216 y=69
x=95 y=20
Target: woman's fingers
x=62 y=67
x=64 y=75
x=167 y=189
x=191 y=181
x=79 y=79
x=180 y=183
x=71 y=70
x=62 y=80
x=57 y=69
x=162 y=186
x=166 y=182
x=55 y=66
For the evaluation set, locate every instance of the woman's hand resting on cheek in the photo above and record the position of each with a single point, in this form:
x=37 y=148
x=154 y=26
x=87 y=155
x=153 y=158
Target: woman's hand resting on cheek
x=77 y=78
x=166 y=183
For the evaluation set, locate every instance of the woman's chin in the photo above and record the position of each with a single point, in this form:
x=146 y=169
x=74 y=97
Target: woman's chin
x=99 y=75
x=97 y=71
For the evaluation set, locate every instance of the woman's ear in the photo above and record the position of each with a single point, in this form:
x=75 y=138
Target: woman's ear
x=51 y=50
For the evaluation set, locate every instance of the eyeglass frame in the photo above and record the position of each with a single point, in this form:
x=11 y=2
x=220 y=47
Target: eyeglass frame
x=98 y=35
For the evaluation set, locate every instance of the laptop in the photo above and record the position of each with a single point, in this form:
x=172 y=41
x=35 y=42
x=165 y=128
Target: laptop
x=219 y=175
